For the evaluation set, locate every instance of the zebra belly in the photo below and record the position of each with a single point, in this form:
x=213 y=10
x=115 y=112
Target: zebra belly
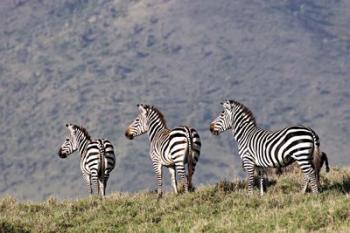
x=260 y=163
x=280 y=162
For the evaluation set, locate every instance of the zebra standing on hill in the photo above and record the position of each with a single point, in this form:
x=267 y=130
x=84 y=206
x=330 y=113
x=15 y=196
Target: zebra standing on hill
x=260 y=148
x=171 y=148
x=97 y=157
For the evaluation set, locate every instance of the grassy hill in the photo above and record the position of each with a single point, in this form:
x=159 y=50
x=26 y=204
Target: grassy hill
x=224 y=207
x=90 y=62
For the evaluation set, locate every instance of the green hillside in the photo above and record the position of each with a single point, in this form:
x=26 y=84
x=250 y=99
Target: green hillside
x=224 y=207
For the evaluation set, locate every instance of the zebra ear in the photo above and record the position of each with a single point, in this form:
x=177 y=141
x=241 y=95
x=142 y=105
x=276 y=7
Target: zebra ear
x=71 y=127
x=227 y=105
x=142 y=109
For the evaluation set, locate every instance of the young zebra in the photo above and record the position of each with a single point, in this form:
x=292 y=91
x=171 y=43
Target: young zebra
x=97 y=157
x=260 y=148
x=172 y=148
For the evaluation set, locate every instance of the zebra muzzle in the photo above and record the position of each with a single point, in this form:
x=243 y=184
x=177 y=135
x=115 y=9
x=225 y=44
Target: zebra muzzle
x=213 y=130
x=61 y=154
x=129 y=135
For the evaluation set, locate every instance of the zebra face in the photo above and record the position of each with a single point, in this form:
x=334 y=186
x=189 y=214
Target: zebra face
x=70 y=144
x=139 y=126
x=223 y=122
x=66 y=149
x=73 y=136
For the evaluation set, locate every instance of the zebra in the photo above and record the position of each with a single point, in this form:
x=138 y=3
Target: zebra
x=260 y=148
x=172 y=148
x=97 y=157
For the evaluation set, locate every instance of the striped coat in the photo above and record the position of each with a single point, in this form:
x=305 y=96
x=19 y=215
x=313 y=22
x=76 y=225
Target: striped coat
x=260 y=148
x=171 y=148
x=97 y=157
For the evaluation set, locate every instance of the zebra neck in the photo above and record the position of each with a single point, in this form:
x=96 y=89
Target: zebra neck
x=155 y=127
x=240 y=132
x=82 y=143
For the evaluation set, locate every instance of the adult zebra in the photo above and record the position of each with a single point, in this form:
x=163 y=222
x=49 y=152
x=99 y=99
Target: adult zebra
x=260 y=148
x=172 y=148
x=97 y=157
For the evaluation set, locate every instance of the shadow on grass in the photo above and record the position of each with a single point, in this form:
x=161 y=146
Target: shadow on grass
x=227 y=186
x=11 y=227
x=341 y=186
x=180 y=189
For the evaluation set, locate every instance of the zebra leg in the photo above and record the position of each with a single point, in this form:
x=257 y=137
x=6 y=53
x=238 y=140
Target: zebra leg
x=190 y=174
x=195 y=156
x=307 y=181
x=158 y=170
x=196 y=150
x=261 y=181
x=105 y=184
x=261 y=185
x=172 y=172
x=249 y=168
x=313 y=181
x=101 y=187
x=250 y=182
x=189 y=178
x=180 y=168
x=309 y=173
x=87 y=179
x=98 y=187
x=95 y=181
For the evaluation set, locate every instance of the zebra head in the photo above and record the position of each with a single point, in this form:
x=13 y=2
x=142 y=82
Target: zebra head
x=223 y=121
x=66 y=149
x=70 y=144
x=235 y=116
x=140 y=125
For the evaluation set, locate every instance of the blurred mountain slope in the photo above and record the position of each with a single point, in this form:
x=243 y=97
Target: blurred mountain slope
x=91 y=62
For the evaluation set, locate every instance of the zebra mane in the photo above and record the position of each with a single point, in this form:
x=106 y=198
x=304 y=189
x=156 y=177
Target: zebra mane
x=161 y=116
x=244 y=109
x=84 y=131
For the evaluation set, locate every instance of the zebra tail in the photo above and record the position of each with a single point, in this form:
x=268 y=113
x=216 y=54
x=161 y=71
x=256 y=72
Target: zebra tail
x=189 y=150
x=317 y=151
x=102 y=158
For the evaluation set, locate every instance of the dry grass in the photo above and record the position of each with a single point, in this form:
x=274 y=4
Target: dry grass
x=224 y=207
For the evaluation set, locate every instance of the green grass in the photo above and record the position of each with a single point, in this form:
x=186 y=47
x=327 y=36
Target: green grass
x=224 y=207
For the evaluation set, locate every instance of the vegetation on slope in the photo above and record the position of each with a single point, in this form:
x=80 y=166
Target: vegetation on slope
x=224 y=207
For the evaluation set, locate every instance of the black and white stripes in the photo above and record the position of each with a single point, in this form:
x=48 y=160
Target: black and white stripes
x=172 y=148
x=260 y=148
x=97 y=157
